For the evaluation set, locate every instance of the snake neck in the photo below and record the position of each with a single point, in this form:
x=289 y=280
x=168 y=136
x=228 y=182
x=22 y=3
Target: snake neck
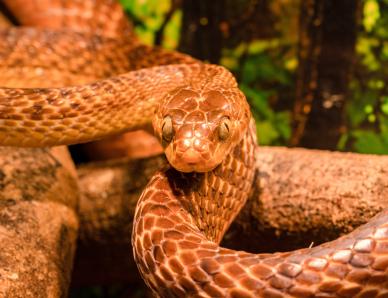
x=213 y=199
x=199 y=206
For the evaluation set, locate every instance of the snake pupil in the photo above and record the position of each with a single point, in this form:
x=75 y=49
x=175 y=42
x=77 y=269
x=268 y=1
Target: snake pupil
x=167 y=129
x=224 y=129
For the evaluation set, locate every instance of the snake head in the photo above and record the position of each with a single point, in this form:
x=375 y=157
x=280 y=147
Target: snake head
x=199 y=128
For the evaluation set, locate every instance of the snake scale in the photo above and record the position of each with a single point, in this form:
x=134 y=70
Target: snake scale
x=203 y=121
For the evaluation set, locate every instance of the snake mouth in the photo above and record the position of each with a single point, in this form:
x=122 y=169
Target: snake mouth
x=190 y=160
x=191 y=157
x=185 y=165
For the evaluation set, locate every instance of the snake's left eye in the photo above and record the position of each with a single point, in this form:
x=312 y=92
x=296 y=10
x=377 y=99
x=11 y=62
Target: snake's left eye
x=167 y=129
x=224 y=129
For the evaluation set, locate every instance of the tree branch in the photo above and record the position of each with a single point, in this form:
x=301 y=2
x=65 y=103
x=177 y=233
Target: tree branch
x=38 y=227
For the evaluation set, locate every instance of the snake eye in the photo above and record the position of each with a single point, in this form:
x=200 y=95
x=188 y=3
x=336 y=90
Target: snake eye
x=167 y=129
x=224 y=129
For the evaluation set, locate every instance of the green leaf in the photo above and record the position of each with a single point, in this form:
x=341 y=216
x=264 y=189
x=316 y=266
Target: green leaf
x=361 y=105
x=266 y=133
x=260 y=67
x=384 y=105
x=371 y=14
x=383 y=121
x=342 y=142
x=148 y=16
x=369 y=142
x=258 y=100
x=172 y=31
x=365 y=48
x=282 y=121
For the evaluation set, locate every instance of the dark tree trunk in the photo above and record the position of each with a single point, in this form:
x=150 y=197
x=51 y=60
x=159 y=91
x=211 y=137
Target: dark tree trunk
x=326 y=50
x=201 y=34
x=6 y=15
x=210 y=26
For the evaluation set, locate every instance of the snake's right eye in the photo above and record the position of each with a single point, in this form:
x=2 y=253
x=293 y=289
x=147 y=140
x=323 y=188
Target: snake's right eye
x=224 y=129
x=167 y=129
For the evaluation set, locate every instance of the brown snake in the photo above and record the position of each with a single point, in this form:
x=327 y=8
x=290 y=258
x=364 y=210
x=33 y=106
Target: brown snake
x=203 y=122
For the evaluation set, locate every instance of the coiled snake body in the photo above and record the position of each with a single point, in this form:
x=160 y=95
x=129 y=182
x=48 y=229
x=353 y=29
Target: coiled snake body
x=204 y=124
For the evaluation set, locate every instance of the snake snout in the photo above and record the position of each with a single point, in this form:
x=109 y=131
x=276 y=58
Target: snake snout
x=191 y=157
x=193 y=150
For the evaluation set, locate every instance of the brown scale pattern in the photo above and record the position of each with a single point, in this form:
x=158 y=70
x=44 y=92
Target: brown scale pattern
x=100 y=17
x=56 y=116
x=180 y=218
x=73 y=58
x=66 y=55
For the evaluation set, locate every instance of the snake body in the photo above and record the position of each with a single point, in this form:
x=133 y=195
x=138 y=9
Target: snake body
x=204 y=123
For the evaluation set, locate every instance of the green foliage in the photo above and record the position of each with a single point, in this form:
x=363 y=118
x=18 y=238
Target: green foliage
x=261 y=75
x=261 y=87
x=265 y=69
x=367 y=111
x=272 y=127
x=371 y=14
x=148 y=16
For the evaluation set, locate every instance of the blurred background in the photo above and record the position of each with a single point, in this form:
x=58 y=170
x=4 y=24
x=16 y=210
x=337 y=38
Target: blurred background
x=314 y=71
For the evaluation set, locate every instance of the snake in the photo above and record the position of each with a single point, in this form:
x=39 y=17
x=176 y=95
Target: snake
x=205 y=126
